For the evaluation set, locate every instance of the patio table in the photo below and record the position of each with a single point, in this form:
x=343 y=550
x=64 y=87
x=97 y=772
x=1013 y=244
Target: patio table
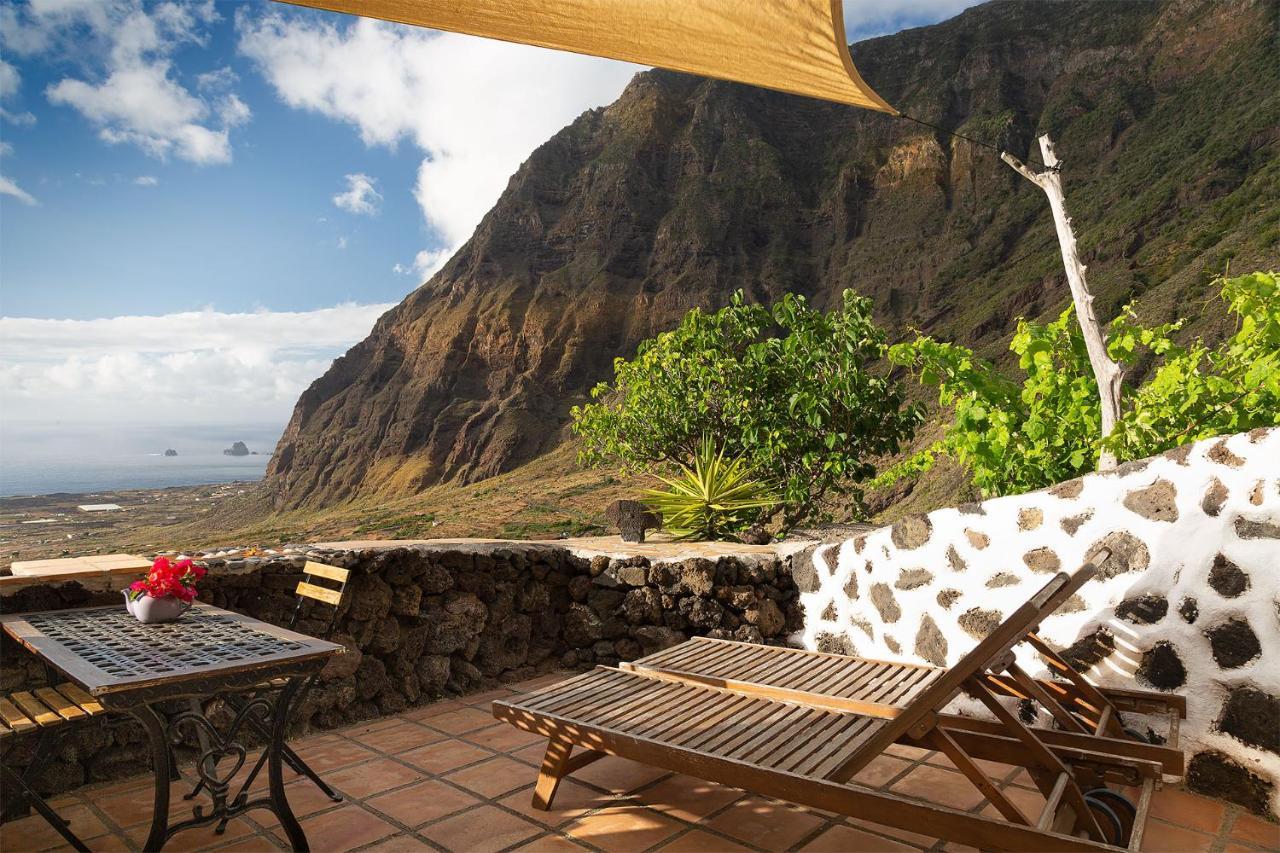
x=134 y=668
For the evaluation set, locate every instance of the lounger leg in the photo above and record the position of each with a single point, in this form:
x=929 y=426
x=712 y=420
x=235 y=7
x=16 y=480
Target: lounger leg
x=555 y=765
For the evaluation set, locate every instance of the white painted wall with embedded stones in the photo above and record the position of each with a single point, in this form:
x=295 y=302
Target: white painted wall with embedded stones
x=1189 y=601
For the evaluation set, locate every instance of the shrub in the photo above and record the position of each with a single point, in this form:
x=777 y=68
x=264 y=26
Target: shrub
x=714 y=499
x=788 y=389
x=1015 y=435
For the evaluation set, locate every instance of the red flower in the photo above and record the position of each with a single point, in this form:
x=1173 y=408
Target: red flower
x=169 y=578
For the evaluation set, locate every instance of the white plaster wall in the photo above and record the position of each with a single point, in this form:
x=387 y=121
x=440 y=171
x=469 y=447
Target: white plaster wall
x=1182 y=553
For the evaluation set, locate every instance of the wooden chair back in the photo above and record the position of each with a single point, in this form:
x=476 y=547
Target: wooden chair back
x=313 y=586
x=994 y=652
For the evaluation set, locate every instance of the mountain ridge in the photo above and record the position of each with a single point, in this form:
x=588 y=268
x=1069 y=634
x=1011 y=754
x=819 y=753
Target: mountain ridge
x=684 y=190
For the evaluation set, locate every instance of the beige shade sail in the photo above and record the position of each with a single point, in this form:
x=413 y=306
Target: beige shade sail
x=795 y=46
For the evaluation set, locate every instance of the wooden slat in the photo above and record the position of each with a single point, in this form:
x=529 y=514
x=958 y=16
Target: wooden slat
x=77 y=695
x=35 y=709
x=13 y=718
x=853 y=800
x=63 y=707
x=319 y=593
x=320 y=570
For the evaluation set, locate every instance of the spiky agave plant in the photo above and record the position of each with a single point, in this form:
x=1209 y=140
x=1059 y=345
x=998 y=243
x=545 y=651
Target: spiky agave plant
x=715 y=499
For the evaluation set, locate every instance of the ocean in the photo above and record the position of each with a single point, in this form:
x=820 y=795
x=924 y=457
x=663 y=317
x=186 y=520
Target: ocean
x=41 y=459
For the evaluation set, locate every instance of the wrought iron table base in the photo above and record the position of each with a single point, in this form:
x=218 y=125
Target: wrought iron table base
x=162 y=730
x=28 y=796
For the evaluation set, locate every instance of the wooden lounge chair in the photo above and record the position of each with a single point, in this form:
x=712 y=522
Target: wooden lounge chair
x=806 y=746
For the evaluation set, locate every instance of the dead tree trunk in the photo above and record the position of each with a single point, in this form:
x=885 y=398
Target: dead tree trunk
x=1107 y=373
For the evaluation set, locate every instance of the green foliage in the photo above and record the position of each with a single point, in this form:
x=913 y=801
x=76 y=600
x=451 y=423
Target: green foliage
x=786 y=388
x=1018 y=435
x=712 y=500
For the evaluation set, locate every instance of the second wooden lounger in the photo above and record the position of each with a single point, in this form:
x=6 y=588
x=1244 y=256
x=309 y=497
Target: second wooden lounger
x=807 y=752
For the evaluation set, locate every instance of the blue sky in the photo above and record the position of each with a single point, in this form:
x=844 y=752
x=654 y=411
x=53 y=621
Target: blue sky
x=224 y=196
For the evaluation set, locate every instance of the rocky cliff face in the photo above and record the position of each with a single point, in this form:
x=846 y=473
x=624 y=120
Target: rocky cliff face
x=685 y=190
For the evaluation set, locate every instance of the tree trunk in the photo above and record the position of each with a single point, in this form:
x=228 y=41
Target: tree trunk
x=1105 y=371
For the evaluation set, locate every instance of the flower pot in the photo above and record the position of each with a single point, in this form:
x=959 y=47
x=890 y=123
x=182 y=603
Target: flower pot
x=152 y=611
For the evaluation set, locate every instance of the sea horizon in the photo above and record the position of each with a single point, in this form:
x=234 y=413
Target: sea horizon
x=54 y=458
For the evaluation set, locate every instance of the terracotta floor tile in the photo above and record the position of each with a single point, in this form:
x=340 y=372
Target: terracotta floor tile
x=551 y=844
x=445 y=756
x=625 y=829
x=344 y=828
x=105 y=844
x=619 y=775
x=399 y=844
x=304 y=799
x=434 y=709
x=1189 y=810
x=135 y=805
x=504 y=738
x=372 y=777
x=938 y=786
x=571 y=801
x=417 y=804
x=1232 y=847
x=252 y=844
x=482 y=700
x=687 y=798
x=197 y=838
x=699 y=841
x=481 y=830
x=407 y=735
x=492 y=778
x=34 y=832
x=911 y=753
x=880 y=770
x=1166 y=838
x=915 y=839
x=1255 y=830
x=764 y=823
x=331 y=756
x=1030 y=803
x=461 y=721
x=531 y=754
x=846 y=839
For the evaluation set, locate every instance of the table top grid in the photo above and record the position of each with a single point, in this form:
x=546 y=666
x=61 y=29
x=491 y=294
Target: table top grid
x=105 y=648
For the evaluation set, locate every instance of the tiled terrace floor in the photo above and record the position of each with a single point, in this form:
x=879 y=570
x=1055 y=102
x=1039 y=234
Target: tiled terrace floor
x=448 y=777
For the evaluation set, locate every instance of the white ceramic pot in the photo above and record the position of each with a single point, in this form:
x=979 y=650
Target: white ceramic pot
x=152 y=611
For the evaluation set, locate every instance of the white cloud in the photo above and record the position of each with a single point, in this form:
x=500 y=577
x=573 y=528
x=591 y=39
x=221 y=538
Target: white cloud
x=867 y=18
x=10 y=83
x=192 y=367
x=146 y=180
x=8 y=187
x=360 y=196
x=342 y=242
x=6 y=150
x=475 y=107
x=424 y=264
x=132 y=93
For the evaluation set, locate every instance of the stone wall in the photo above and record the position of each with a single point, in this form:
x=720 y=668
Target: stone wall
x=1189 y=601
x=435 y=620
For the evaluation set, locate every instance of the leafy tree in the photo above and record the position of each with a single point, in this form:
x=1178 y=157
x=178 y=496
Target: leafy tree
x=1016 y=435
x=785 y=388
x=714 y=499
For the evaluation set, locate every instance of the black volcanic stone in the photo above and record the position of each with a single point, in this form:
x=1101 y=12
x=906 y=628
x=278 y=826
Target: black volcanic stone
x=1252 y=716
x=1226 y=578
x=1088 y=651
x=1162 y=668
x=1216 y=775
x=1144 y=610
x=1189 y=610
x=1233 y=643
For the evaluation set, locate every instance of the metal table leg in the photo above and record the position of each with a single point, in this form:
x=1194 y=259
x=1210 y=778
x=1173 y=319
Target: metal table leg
x=161 y=729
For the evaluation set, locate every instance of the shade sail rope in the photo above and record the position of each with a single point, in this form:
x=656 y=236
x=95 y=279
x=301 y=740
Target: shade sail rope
x=972 y=141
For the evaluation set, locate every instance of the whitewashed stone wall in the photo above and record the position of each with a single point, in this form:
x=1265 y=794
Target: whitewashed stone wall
x=1188 y=602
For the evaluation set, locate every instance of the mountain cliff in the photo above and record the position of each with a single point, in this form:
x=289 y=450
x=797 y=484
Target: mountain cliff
x=685 y=189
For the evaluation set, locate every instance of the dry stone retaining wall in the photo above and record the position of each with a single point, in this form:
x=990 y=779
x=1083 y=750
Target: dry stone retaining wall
x=1188 y=602
x=429 y=621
